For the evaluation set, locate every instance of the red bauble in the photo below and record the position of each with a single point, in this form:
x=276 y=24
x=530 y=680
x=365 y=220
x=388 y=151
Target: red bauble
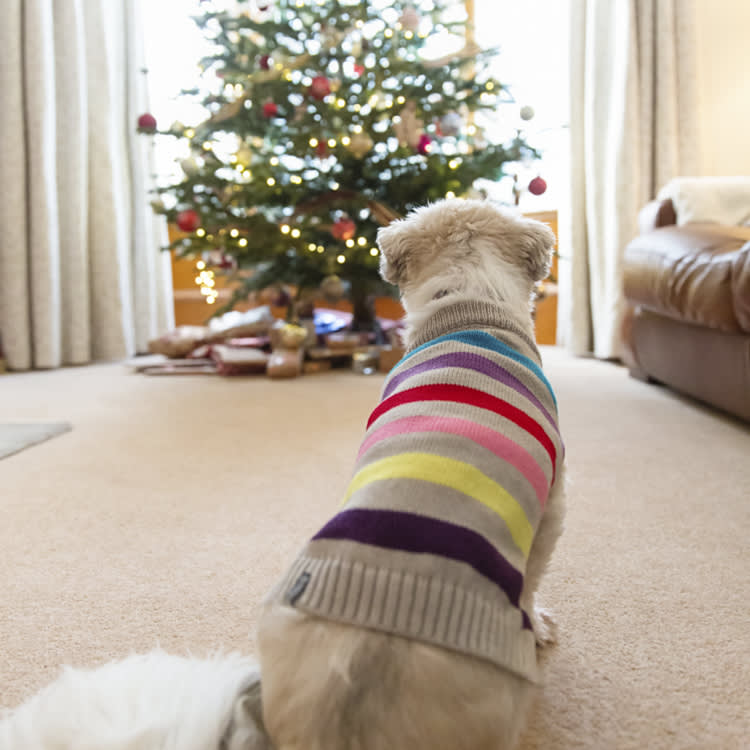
x=147 y=123
x=265 y=62
x=537 y=186
x=344 y=229
x=424 y=144
x=188 y=220
x=270 y=109
x=227 y=262
x=320 y=87
x=322 y=149
x=359 y=69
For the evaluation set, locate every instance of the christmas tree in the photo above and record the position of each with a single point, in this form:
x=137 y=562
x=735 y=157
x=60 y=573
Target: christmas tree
x=329 y=119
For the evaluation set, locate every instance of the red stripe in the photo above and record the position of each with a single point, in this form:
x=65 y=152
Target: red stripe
x=473 y=397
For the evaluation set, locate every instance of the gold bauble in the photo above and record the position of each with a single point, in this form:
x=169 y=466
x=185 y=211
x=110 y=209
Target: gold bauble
x=291 y=336
x=332 y=288
x=244 y=155
x=360 y=145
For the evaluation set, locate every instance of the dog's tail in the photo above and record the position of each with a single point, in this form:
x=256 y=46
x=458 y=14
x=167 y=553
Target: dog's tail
x=145 y=700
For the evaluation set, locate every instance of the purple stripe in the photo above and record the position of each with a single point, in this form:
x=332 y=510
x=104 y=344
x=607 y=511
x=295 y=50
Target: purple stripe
x=409 y=532
x=470 y=361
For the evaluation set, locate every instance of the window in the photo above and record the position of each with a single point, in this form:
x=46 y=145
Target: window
x=531 y=35
x=174 y=46
x=533 y=39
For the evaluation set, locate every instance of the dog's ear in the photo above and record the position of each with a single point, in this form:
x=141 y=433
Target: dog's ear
x=535 y=244
x=394 y=242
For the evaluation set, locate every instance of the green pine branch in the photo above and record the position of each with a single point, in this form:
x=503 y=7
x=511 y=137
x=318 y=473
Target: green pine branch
x=270 y=187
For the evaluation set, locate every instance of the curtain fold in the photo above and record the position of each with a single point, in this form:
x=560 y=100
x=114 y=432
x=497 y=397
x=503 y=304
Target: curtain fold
x=79 y=251
x=633 y=126
x=72 y=179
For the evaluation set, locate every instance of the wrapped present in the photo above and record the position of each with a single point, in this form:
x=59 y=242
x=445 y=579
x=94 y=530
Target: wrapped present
x=232 y=360
x=179 y=343
x=365 y=361
x=331 y=321
x=344 y=343
x=171 y=367
x=389 y=357
x=316 y=366
x=183 y=340
x=235 y=324
x=287 y=336
x=285 y=363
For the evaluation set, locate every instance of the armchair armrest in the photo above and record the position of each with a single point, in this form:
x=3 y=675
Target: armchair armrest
x=656 y=214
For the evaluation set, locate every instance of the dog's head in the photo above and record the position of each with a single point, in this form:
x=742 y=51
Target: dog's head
x=467 y=245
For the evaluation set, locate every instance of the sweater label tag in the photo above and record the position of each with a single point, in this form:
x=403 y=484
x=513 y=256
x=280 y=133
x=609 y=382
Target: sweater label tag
x=298 y=588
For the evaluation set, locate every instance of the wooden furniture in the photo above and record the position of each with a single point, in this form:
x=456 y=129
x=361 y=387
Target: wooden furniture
x=546 y=308
x=190 y=307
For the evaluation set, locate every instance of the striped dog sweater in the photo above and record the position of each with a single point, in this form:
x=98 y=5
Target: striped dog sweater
x=448 y=490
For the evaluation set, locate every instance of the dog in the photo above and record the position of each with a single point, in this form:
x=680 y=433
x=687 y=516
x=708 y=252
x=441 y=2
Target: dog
x=410 y=620
x=442 y=657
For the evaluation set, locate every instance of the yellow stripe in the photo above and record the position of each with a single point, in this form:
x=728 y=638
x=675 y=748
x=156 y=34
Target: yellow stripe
x=457 y=475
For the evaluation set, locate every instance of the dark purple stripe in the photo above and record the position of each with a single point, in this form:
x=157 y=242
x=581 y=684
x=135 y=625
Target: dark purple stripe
x=409 y=532
x=470 y=361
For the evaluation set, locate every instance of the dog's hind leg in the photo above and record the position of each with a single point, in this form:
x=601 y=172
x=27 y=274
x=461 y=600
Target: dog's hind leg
x=550 y=528
x=246 y=730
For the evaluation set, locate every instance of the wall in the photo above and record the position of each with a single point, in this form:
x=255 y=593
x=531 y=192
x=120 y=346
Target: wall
x=724 y=80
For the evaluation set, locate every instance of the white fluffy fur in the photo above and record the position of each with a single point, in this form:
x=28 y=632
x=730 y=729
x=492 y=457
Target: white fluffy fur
x=328 y=686
x=153 y=701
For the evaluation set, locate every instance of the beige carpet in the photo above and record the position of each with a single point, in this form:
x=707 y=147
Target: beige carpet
x=167 y=512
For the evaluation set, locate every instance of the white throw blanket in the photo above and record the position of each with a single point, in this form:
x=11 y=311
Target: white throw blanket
x=721 y=200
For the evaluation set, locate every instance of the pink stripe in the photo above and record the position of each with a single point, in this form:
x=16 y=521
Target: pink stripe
x=493 y=441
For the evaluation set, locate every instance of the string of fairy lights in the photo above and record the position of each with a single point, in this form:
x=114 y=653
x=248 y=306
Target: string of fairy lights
x=206 y=281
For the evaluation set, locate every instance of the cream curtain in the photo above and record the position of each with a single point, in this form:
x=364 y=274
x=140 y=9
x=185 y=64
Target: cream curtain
x=82 y=277
x=633 y=126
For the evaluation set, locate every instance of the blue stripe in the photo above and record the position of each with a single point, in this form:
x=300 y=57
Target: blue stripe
x=485 y=340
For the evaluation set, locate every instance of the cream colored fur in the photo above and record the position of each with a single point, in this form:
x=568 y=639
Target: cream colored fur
x=469 y=249
x=328 y=686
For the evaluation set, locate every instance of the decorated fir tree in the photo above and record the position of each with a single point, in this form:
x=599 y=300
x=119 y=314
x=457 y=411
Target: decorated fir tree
x=329 y=118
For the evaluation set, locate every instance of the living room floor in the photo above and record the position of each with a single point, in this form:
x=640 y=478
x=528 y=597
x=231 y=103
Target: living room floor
x=176 y=502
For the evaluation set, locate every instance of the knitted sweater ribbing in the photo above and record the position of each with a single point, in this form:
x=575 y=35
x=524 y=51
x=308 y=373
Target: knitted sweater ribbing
x=448 y=491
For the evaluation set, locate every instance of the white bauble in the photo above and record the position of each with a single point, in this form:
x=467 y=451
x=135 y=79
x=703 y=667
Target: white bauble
x=190 y=166
x=451 y=123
